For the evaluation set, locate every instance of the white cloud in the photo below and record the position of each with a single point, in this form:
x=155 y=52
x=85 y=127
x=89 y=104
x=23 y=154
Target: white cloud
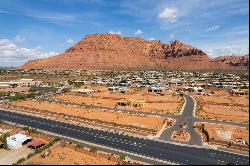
x=5 y=12
x=115 y=32
x=12 y=54
x=171 y=36
x=213 y=28
x=70 y=41
x=39 y=47
x=52 y=16
x=151 y=39
x=138 y=32
x=169 y=14
x=228 y=50
x=19 y=39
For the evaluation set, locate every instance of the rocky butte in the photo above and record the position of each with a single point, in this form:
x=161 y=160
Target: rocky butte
x=115 y=52
x=236 y=61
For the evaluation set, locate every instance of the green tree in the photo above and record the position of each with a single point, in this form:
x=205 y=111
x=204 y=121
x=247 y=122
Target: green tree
x=18 y=96
x=4 y=139
x=2 y=94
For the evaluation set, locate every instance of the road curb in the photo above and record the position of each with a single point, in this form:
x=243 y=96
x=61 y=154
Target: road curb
x=97 y=145
x=195 y=103
x=183 y=107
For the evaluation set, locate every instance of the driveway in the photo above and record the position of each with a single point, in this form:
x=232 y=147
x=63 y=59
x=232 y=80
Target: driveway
x=8 y=157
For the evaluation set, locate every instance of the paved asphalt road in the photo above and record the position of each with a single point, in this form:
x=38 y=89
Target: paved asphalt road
x=164 y=151
x=221 y=122
x=147 y=113
x=109 y=108
x=55 y=116
x=186 y=116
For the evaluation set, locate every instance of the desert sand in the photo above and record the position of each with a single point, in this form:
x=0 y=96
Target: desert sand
x=227 y=108
x=122 y=118
x=226 y=132
x=67 y=156
x=182 y=136
x=159 y=104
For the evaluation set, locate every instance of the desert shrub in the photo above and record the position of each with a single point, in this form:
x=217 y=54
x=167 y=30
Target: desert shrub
x=20 y=161
x=29 y=130
x=65 y=90
x=93 y=149
x=123 y=156
x=30 y=155
x=80 y=146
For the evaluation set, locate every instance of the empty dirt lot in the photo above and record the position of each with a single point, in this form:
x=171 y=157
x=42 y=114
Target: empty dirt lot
x=142 y=121
x=17 y=89
x=227 y=108
x=226 y=132
x=67 y=156
x=182 y=136
x=159 y=104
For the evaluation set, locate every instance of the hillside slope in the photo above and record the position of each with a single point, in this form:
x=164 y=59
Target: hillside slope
x=115 y=52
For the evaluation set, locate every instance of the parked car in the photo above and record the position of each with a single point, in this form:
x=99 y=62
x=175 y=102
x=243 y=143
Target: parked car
x=47 y=153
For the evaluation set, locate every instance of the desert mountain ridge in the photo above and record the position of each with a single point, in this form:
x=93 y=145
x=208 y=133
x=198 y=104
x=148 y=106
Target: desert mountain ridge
x=115 y=52
x=234 y=60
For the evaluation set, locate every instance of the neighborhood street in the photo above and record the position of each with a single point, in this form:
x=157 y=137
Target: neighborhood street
x=185 y=117
x=190 y=104
x=156 y=149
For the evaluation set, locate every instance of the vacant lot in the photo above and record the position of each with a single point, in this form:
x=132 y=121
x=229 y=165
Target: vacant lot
x=226 y=133
x=105 y=116
x=219 y=92
x=8 y=129
x=227 y=108
x=159 y=104
x=182 y=136
x=17 y=89
x=95 y=88
x=67 y=156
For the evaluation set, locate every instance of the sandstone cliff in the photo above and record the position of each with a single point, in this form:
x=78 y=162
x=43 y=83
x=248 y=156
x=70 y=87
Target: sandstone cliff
x=235 y=61
x=115 y=52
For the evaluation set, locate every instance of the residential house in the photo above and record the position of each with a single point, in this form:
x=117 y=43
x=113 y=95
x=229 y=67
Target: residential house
x=17 y=141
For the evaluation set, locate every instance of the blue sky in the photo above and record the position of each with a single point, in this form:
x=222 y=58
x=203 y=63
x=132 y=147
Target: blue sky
x=32 y=29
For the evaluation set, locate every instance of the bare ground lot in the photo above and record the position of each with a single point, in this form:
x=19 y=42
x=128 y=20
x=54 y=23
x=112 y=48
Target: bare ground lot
x=67 y=156
x=226 y=133
x=158 y=104
x=151 y=123
x=8 y=77
x=182 y=136
x=8 y=128
x=226 y=108
x=95 y=88
x=17 y=89
x=219 y=92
